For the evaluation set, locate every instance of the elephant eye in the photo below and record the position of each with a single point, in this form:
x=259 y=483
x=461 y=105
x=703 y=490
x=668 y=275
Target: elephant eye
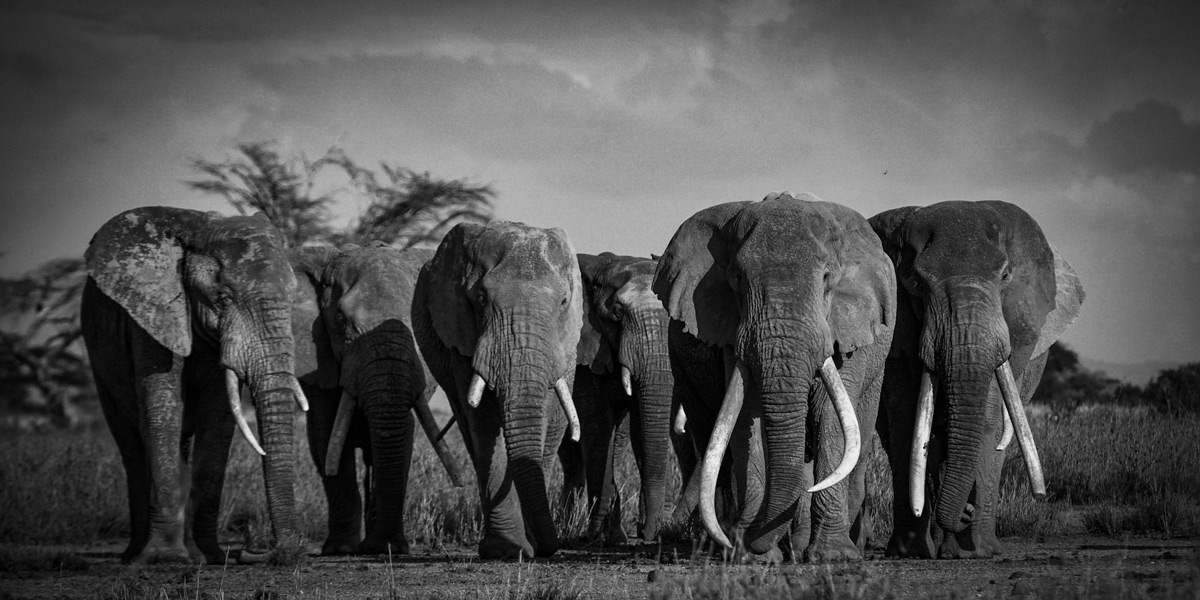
x=563 y=305
x=481 y=297
x=618 y=311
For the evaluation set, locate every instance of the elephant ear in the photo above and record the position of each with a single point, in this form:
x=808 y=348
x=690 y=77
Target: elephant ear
x=592 y=350
x=889 y=227
x=691 y=277
x=1068 y=299
x=315 y=362
x=450 y=310
x=864 y=298
x=136 y=258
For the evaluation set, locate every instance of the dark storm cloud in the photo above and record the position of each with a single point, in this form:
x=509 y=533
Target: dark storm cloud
x=1151 y=136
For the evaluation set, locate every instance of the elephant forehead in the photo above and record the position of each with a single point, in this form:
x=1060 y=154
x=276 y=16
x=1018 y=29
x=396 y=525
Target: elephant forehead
x=524 y=252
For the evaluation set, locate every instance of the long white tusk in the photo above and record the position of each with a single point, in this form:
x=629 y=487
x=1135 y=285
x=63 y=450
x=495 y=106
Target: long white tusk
x=681 y=421
x=1007 y=436
x=920 y=445
x=475 y=390
x=731 y=407
x=1012 y=400
x=627 y=380
x=341 y=429
x=568 y=404
x=301 y=399
x=849 y=421
x=233 y=388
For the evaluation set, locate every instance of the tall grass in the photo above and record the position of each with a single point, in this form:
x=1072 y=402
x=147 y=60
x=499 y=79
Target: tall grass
x=1125 y=470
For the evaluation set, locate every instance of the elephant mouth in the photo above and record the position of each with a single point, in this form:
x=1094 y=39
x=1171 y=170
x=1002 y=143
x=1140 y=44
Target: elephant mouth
x=561 y=389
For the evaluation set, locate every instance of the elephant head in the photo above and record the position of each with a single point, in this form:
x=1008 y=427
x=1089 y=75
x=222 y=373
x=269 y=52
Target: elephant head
x=497 y=314
x=191 y=279
x=787 y=287
x=625 y=333
x=981 y=294
x=355 y=352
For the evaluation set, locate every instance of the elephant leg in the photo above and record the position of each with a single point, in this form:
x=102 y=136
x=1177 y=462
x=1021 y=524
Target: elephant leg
x=391 y=434
x=158 y=378
x=570 y=456
x=897 y=415
x=345 y=513
x=123 y=424
x=610 y=519
x=504 y=533
x=598 y=443
x=210 y=423
x=830 y=523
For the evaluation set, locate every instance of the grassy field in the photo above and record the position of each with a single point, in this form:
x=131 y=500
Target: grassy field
x=1111 y=472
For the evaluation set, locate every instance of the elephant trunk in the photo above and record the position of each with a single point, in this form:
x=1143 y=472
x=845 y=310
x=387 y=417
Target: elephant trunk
x=523 y=391
x=785 y=377
x=644 y=346
x=386 y=394
x=257 y=345
x=965 y=375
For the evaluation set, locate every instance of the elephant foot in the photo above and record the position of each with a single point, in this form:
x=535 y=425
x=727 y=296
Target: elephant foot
x=831 y=551
x=209 y=553
x=970 y=544
x=496 y=546
x=395 y=545
x=340 y=544
x=744 y=556
x=910 y=544
x=160 y=553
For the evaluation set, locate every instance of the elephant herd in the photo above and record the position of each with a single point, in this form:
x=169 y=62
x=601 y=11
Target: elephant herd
x=759 y=348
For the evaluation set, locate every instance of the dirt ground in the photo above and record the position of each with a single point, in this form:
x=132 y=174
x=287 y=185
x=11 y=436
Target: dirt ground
x=1075 y=567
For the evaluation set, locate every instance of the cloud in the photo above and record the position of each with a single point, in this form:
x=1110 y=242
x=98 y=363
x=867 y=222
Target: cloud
x=1151 y=136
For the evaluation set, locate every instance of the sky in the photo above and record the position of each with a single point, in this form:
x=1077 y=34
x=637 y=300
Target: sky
x=616 y=122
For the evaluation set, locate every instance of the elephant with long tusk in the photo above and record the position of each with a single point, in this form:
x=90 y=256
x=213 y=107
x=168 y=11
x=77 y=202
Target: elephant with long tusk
x=497 y=314
x=767 y=298
x=981 y=298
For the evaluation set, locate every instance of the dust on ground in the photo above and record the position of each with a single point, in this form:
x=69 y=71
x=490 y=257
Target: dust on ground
x=1074 y=567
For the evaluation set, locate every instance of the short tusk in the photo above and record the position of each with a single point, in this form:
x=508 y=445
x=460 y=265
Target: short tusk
x=341 y=429
x=568 y=404
x=627 y=380
x=475 y=390
x=233 y=388
x=1007 y=436
x=849 y=421
x=731 y=407
x=301 y=399
x=1016 y=410
x=681 y=421
x=922 y=429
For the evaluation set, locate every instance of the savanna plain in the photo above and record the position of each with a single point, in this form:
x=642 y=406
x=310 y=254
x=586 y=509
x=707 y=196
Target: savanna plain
x=1121 y=521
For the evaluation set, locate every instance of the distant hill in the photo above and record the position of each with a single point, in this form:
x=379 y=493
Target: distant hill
x=1136 y=373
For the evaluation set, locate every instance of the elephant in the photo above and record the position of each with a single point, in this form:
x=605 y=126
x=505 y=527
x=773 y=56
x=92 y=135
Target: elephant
x=497 y=314
x=180 y=308
x=623 y=369
x=766 y=298
x=358 y=363
x=981 y=297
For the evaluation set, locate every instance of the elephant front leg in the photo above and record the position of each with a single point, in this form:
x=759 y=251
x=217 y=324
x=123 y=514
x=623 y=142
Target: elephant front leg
x=345 y=513
x=910 y=533
x=504 y=535
x=158 y=392
x=208 y=420
x=830 y=541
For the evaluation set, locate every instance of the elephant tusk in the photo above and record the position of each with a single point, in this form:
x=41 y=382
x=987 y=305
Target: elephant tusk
x=731 y=407
x=1012 y=400
x=681 y=421
x=850 y=431
x=920 y=445
x=1007 y=436
x=301 y=399
x=429 y=425
x=441 y=434
x=627 y=380
x=341 y=429
x=475 y=390
x=568 y=404
x=233 y=389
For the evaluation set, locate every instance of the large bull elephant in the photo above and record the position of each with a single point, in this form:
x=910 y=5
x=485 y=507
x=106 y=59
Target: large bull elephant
x=786 y=306
x=623 y=370
x=358 y=363
x=981 y=298
x=497 y=314
x=180 y=308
